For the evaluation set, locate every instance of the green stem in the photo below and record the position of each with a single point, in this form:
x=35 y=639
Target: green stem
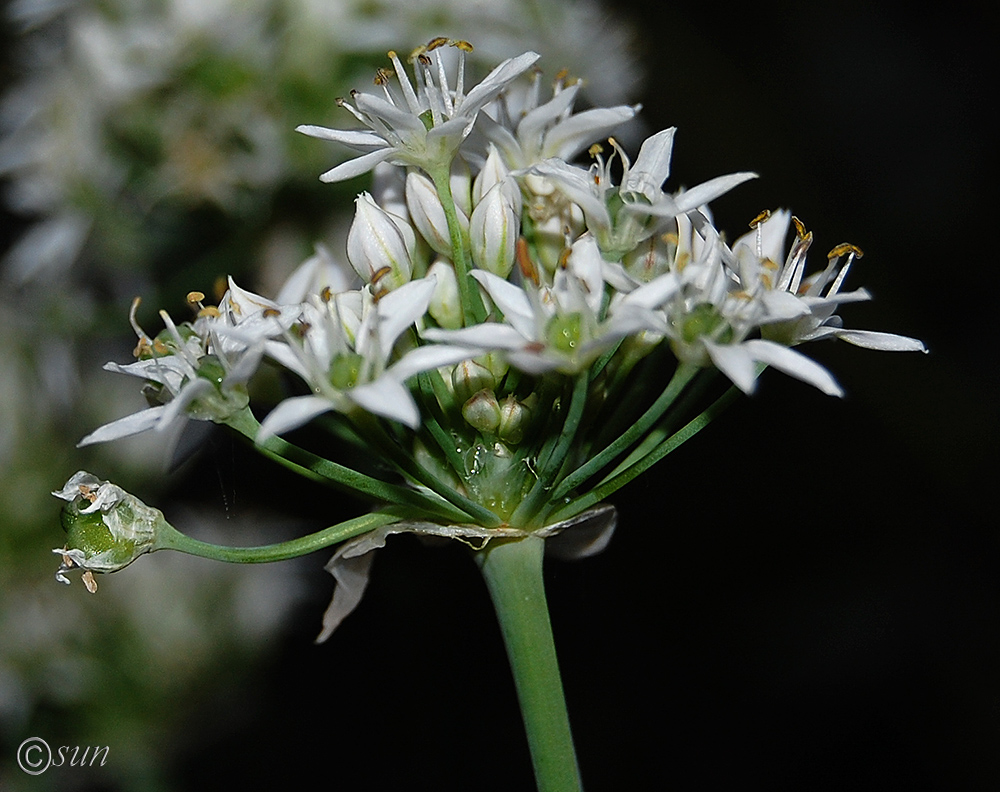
x=473 y=310
x=316 y=468
x=616 y=482
x=513 y=574
x=169 y=538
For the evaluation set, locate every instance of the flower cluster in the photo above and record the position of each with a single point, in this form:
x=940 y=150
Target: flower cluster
x=505 y=349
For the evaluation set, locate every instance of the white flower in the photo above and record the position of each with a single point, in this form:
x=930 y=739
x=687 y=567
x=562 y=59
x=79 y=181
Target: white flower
x=622 y=217
x=199 y=370
x=399 y=133
x=344 y=355
x=559 y=327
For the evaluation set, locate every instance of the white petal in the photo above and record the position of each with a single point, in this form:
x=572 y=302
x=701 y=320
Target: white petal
x=495 y=82
x=402 y=307
x=652 y=167
x=706 y=192
x=568 y=138
x=389 y=398
x=886 y=342
x=291 y=414
x=794 y=364
x=511 y=300
x=735 y=362
x=429 y=357
x=356 y=166
x=125 y=427
x=355 y=138
x=485 y=336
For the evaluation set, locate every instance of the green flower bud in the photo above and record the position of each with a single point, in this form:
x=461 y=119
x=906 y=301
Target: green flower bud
x=469 y=377
x=106 y=528
x=514 y=419
x=482 y=411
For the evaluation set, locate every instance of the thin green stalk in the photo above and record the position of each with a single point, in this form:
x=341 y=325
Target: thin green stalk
x=513 y=574
x=473 y=310
x=682 y=376
x=169 y=538
x=616 y=482
x=550 y=463
x=324 y=471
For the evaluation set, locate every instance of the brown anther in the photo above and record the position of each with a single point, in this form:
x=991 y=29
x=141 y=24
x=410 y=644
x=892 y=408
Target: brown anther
x=761 y=218
x=326 y=294
x=160 y=348
x=379 y=293
x=844 y=249
x=354 y=92
x=463 y=45
x=436 y=42
x=209 y=310
x=564 y=258
x=142 y=348
x=270 y=313
x=800 y=228
x=380 y=273
x=423 y=59
x=195 y=297
x=88 y=581
x=87 y=493
x=524 y=262
x=340 y=101
x=382 y=76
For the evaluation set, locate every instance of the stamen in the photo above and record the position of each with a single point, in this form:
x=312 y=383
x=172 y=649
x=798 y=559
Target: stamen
x=382 y=76
x=844 y=248
x=755 y=224
x=209 y=310
x=88 y=581
x=326 y=294
x=761 y=218
x=436 y=42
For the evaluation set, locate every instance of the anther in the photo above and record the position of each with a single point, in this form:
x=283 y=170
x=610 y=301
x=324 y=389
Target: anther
x=561 y=75
x=844 y=249
x=326 y=294
x=209 y=310
x=800 y=228
x=380 y=273
x=269 y=313
x=761 y=218
x=434 y=43
x=596 y=149
x=382 y=76
x=524 y=262
x=195 y=297
x=461 y=44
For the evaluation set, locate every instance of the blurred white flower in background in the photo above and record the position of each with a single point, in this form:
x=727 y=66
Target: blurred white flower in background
x=149 y=147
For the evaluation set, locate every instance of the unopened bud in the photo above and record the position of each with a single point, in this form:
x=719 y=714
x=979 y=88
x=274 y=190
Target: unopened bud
x=380 y=246
x=469 y=377
x=482 y=411
x=428 y=213
x=494 y=229
x=446 y=305
x=514 y=419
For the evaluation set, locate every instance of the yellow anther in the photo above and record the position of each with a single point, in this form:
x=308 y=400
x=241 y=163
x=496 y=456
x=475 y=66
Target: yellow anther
x=434 y=43
x=195 y=297
x=382 y=76
x=561 y=75
x=524 y=262
x=800 y=228
x=769 y=264
x=682 y=261
x=270 y=313
x=564 y=258
x=465 y=46
x=670 y=238
x=209 y=310
x=766 y=280
x=844 y=249
x=761 y=218
x=613 y=142
x=596 y=149
x=391 y=54
x=326 y=294
x=380 y=273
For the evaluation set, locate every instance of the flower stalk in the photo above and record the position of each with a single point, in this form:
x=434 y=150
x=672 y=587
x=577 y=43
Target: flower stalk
x=513 y=574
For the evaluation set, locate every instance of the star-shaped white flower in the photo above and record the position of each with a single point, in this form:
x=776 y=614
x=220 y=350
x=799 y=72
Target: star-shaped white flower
x=344 y=354
x=422 y=125
x=559 y=328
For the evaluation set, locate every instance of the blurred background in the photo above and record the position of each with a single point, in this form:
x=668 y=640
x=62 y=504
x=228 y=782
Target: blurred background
x=806 y=597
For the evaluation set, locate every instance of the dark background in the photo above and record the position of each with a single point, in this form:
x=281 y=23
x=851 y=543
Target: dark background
x=806 y=597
